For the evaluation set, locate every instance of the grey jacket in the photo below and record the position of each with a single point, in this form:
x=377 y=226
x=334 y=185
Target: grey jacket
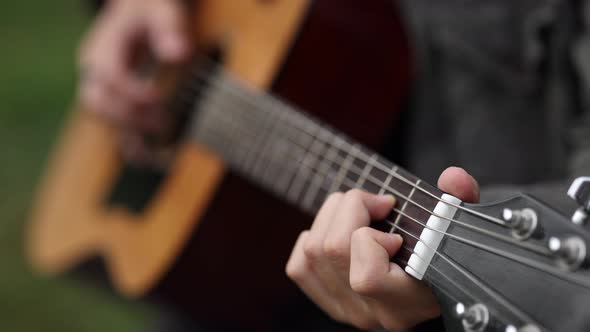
x=503 y=90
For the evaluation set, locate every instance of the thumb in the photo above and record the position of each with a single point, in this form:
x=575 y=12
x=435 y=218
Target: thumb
x=457 y=182
x=377 y=206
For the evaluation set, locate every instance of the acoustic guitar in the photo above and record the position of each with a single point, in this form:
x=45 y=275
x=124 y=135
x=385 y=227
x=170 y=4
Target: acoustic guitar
x=513 y=266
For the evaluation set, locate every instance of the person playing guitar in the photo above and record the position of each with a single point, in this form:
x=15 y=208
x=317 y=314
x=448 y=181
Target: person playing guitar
x=513 y=97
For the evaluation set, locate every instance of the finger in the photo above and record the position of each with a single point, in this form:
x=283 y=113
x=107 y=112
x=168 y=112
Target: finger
x=314 y=246
x=334 y=282
x=93 y=96
x=457 y=182
x=96 y=97
x=108 y=59
x=300 y=271
x=369 y=262
x=168 y=32
x=357 y=210
x=122 y=77
x=397 y=299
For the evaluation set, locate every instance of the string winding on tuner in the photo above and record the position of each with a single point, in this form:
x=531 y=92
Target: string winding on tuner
x=579 y=191
x=523 y=222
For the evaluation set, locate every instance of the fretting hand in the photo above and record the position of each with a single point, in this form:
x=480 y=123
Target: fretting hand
x=344 y=266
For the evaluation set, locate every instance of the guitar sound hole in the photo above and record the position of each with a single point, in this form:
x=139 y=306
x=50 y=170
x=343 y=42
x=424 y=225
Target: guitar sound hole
x=134 y=188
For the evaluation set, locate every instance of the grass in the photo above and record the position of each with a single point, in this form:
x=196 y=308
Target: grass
x=37 y=82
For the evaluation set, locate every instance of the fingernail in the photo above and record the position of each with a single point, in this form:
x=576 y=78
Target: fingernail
x=390 y=199
x=475 y=187
x=396 y=237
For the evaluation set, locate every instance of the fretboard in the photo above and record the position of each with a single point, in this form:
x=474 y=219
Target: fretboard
x=300 y=159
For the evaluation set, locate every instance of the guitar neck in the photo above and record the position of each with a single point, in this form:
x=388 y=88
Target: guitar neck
x=300 y=159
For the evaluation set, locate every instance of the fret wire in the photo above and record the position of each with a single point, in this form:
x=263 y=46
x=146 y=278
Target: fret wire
x=227 y=78
x=216 y=80
x=297 y=184
x=207 y=112
x=346 y=165
x=241 y=154
x=418 y=222
x=222 y=144
x=278 y=179
x=228 y=82
x=242 y=162
x=235 y=126
x=409 y=200
x=260 y=134
x=315 y=178
x=203 y=110
x=387 y=180
x=225 y=81
x=414 y=187
x=214 y=135
x=403 y=209
x=344 y=169
x=271 y=141
x=366 y=171
x=284 y=179
x=324 y=167
x=309 y=165
x=245 y=136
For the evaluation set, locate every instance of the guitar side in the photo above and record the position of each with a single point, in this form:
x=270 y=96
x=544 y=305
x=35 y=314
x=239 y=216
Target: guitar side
x=70 y=222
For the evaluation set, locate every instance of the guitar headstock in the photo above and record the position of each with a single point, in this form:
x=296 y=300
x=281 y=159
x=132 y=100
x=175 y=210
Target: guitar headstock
x=517 y=266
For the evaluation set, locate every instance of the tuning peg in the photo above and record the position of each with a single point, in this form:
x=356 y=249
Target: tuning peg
x=526 y=328
x=475 y=318
x=579 y=191
x=523 y=222
x=571 y=251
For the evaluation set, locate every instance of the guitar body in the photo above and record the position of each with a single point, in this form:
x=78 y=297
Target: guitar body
x=205 y=239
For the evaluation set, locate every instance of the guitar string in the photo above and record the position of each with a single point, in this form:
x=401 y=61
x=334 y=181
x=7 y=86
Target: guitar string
x=240 y=92
x=365 y=158
x=524 y=245
x=476 y=213
x=357 y=171
x=490 y=292
x=448 y=280
x=474 y=299
x=525 y=261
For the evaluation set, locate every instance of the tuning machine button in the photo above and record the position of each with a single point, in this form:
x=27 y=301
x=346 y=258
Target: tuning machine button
x=523 y=222
x=579 y=191
x=526 y=328
x=571 y=251
x=475 y=318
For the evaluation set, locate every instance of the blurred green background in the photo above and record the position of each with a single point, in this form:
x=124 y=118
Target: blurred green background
x=37 y=84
